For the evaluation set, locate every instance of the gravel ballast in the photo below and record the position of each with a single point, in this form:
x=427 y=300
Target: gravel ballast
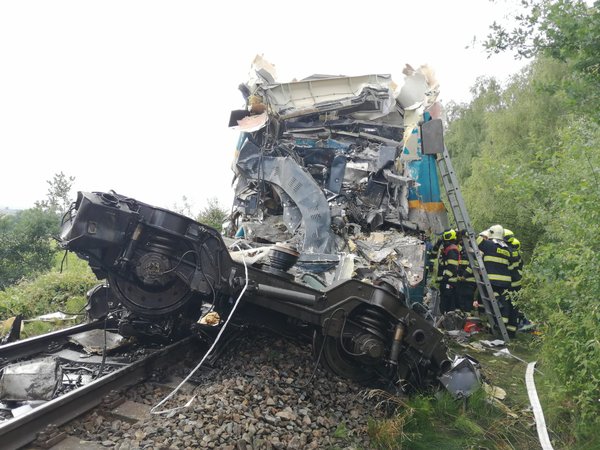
x=258 y=395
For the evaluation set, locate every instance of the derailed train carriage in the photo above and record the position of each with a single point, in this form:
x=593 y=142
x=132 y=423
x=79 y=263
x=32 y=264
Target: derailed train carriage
x=334 y=195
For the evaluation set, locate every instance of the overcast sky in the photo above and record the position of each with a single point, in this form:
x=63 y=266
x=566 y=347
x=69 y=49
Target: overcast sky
x=135 y=96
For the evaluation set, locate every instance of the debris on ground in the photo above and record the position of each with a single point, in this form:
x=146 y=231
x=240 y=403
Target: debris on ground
x=30 y=380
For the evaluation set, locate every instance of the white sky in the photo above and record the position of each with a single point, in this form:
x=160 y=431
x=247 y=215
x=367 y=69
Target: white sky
x=135 y=96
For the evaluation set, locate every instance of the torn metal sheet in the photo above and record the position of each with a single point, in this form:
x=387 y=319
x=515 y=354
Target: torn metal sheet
x=72 y=356
x=94 y=341
x=345 y=268
x=370 y=94
x=299 y=186
x=463 y=378
x=31 y=380
x=251 y=123
x=267 y=230
x=339 y=157
x=407 y=252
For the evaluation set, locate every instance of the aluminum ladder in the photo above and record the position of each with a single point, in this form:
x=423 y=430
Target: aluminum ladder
x=463 y=224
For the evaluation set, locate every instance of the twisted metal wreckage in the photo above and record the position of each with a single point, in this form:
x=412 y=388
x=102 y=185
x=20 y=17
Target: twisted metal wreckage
x=334 y=193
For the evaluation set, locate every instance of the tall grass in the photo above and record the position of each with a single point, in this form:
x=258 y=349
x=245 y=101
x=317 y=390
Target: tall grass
x=440 y=422
x=49 y=292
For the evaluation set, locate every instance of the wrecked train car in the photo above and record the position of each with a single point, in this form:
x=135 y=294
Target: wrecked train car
x=334 y=167
x=333 y=197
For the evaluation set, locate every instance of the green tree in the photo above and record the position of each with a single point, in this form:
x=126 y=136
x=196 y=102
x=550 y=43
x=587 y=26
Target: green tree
x=503 y=140
x=25 y=245
x=58 y=199
x=213 y=214
x=468 y=133
x=564 y=30
x=185 y=208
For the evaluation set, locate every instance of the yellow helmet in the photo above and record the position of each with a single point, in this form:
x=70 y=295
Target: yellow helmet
x=449 y=235
x=508 y=234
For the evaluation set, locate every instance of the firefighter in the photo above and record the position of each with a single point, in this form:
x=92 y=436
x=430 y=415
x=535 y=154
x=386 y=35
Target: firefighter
x=497 y=258
x=516 y=270
x=432 y=256
x=508 y=235
x=516 y=267
x=466 y=285
x=448 y=270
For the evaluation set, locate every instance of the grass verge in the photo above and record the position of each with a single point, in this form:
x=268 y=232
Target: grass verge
x=439 y=421
x=49 y=292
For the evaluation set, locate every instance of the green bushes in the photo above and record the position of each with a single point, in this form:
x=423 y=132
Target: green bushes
x=50 y=292
x=26 y=247
x=538 y=173
x=562 y=282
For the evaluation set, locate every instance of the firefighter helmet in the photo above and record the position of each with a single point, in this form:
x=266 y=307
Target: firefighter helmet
x=449 y=235
x=496 y=232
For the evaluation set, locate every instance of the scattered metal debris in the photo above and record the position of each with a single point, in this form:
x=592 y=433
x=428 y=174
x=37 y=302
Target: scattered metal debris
x=95 y=341
x=31 y=380
x=463 y=378
x=20 y=410
x=494 y=343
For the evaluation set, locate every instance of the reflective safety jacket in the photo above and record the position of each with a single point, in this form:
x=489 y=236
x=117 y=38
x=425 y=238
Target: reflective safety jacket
x=497 y=258
x=432 y=255
x=516 y=268
x=465 y=272
x=448 y=263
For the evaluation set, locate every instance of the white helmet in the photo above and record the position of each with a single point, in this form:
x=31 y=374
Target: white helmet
x=496 y=232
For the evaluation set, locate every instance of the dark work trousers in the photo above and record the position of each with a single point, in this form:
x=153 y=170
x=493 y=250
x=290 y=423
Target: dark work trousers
x=465 y=294
x=447 y=297
x=507 y=310
x=519 y=317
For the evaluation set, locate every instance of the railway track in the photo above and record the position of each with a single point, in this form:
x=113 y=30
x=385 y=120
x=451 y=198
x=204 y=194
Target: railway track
x=84 y=379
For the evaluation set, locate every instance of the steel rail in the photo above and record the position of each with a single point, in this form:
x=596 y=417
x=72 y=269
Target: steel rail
x=41 y=343
x=20 y=431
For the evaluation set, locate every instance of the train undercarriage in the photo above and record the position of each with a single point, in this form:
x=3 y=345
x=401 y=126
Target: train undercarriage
x=167 y=271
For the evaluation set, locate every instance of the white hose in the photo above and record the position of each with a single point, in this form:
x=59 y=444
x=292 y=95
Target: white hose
x=540 y=423
x=165 y=411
